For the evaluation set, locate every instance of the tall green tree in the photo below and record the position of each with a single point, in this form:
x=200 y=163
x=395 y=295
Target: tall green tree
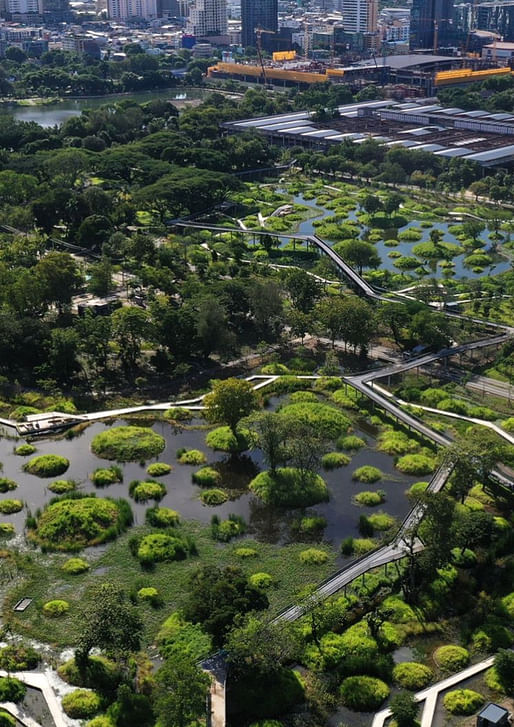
x=230 y=401
x=181 y=691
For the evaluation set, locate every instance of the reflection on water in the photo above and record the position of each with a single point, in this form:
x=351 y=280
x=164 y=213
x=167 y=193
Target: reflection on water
x=264 y=522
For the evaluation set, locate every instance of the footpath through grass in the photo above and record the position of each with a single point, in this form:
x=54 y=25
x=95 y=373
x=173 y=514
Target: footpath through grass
x=40 y=577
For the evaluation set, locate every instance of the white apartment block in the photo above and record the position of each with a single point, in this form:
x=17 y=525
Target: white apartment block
x=125 y=9
x=359 y=16
x=23 y=6
x=208 y=17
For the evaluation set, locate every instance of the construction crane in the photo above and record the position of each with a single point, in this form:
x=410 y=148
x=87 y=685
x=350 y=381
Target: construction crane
x=258 y=34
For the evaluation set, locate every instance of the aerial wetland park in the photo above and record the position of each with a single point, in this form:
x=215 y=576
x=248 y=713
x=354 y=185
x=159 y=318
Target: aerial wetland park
x=257 y=430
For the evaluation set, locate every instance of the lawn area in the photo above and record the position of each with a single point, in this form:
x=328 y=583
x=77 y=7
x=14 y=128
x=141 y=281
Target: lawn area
x=40 y=577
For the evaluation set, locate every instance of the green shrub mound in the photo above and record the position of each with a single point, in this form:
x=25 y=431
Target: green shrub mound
x=60 y=487
x=72 y=524
x=8 y=507
x=225 y=530
x=24 y=450
x=206 y=477
x=19 y=658
x=162 y=517
x=191 y=456
x=362 y=693
x=7 y=485
x=313 y=556
x=333 y=460
x=81 y=704
x=158 y=469
x=411 y=675
x=351 y=443
x=462 y=701
x=396 y=443
x=398 y=611
x=128 y=444
x=327 y=420
x=11 y=690
x=159 y=548
x=341 y=397
x=103 y=720
x=492 y=681
x=47 y=465
x=104 y=476
x=381 y=521
x=142 y=491
x=223 y=439
x=57 y=608
x=148 y=593
x=7 y=530
x=246 y=553
x=213 y=497
x=261 y=580
x=363 y=545
x=99 y=672
x=508 y=604
x=75 y=566
x=370 y=498
x=367 y=474
x=6 y=719
x=451 y=658
x=416 y=464
x=417 y=489
x=289 y=487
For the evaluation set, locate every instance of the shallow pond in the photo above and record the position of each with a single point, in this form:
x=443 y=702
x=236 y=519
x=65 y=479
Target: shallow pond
x=404 y=247
x=265 y=522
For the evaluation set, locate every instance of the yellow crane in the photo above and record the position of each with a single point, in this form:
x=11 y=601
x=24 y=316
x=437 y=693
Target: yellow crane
x=258 y=34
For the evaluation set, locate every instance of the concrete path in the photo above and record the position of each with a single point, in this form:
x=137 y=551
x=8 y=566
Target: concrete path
x=431 y=694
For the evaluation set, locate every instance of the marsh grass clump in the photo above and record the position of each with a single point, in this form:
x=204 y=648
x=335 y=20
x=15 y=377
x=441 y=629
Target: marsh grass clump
x=191 y=456
x=381 y=521
x=327 y=420
x=60 y=487
x=128 y=444
x=81 y=704
x=309 y=524
x=313 y=556
x=370 y=498
x=333 y=460
x=289 y=487
x=206 y=477
x=47 y=465
x=11 y=690
x=9 y=507
x=159 y=548
x=7 y=530
x=158 y=469
x=351 y=443
x=24 y=450
x=55 y=609
x=261 y=580
x=6 y=484
x=162 y=517
x=71 y=523
x=104 y=476
x=75 y=566
x=19 y=657
x=142 y=491
x=213 y=497
x=396 y=443
x=416 y=464
x=225 y=530
x=367 y=474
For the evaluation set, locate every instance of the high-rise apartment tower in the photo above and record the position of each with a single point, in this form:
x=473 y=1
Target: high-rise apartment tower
x=208 y=17
x=258 y=14
x=431 y=23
